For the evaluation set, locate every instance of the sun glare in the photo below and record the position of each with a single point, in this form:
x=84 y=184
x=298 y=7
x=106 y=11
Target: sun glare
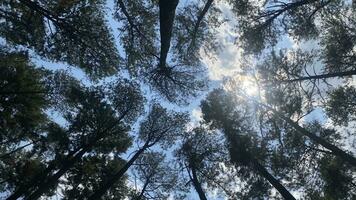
x=248 y=85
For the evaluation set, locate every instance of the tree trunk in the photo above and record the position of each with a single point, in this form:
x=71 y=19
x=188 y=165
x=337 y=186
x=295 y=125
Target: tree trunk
x=167 y=10
x=271 y=179
x=18 y=149
x=284 y=8
x=25 y=190
x=17 y=194
x=324 y=76
x=133 y=25
x=35 y=7
x=114 y=178
x=143 y=190
x=199 y=20
x=334 y=149
x=258 y=168
x=46 y=185
x=197 y=185
x=4 y=93
x=44 y=182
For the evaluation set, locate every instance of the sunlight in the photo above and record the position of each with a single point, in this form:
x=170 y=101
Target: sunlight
x=247 y=84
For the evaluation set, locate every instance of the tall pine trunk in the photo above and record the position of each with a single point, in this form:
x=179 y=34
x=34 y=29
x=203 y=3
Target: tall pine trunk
x=140 y=196
x=317 y=139
x=199 y=20
x=323 y=76
x=271 y=179
x=197 y=184
x=51 y=181
x=250 y=161
x=167 y=9
x=26 y=189
x=114 y=178
x=18 y=149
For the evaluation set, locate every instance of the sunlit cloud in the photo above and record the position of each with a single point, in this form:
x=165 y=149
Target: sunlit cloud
x=228 y=58
x=197 y=114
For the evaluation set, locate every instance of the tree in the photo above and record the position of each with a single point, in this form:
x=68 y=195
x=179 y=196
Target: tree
x=95 y=126
x=291 y=98
x=166 y=18
x=56 y=27
x=86 y=175
x=288 y=66
x=20 y=113
x=334 y=149
x=339 y=42
x=266 y=22
x=160 y=127
x=219 y=110
x=67 y=135
x=26 y=92
x=200 y=19
x=333 y=178
x=199 y=155
x=158 y=178
x=170 y=66
x=300 y=130
x=336 y=175
x=77 y=33
x=341 y=104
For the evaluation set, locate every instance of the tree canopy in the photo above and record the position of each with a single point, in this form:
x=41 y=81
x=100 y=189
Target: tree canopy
x=116 y=99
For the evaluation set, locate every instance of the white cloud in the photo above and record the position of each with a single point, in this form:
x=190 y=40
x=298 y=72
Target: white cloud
x=228 y=59
x=197 y=114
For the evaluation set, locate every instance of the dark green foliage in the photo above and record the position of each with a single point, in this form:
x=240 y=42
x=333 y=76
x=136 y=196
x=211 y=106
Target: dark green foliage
x=263 y=23
x=199 y=155
x=162 y=126
x=93 y=126
x=339 y=43
x=69 y=31
x=86 y=176
x=338 y=182
x=341 y=105
x=22 y=94
x=96 y=120
x=22 y=172
x=335 y=180
x=158 y=178
x=221 y=110
x=66 y=134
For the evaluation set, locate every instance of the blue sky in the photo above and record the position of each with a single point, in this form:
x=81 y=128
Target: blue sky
x=226 y=64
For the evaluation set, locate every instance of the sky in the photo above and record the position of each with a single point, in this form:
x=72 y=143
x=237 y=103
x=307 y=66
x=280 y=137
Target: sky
x=225 y=64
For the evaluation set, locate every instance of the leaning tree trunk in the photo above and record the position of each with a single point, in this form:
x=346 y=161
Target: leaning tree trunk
x=26 y=189
x=51 y=181
x=114 y=178
x=271 y=179
x=197 y=184
x=199 y=20
x=259 y=169
x=18 y=149
x=167 y=10
x=44 y=182
x=321 y=141
x=323 y=76
x=140 y=196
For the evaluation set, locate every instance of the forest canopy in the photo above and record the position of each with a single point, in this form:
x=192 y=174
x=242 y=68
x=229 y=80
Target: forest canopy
x=173 y=99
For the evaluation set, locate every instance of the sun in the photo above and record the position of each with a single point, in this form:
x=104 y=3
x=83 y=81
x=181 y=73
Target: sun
x=248 y=85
